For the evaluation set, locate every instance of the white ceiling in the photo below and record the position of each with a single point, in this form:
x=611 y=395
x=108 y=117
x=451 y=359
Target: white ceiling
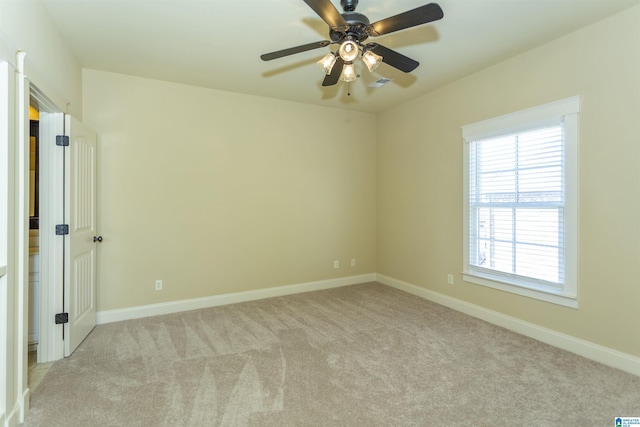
x=218 y=43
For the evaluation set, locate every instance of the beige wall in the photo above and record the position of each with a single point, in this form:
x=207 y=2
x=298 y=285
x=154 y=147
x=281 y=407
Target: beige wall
x=49 y=63
x=215 y=192
x=420 y=175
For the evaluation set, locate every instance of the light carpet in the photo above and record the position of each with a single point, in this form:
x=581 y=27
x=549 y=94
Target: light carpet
x=363 y=355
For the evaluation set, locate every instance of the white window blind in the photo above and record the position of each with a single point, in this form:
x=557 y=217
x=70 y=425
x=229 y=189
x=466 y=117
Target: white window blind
x=516 y=204
x=521 y=187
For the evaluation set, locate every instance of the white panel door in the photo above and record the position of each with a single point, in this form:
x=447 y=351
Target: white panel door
x=80 y=251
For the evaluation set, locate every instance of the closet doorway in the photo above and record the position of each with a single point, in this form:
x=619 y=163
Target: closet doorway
x=64 y=304
x=46 y=208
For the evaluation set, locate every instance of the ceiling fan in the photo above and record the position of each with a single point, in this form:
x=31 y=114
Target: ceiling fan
x=350 y=29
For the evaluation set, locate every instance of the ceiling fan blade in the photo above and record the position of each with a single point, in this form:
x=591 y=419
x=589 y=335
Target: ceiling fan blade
x=411 y=18
x=331 y=79
x=328 y=12
x=293 y=50
x=393 y=58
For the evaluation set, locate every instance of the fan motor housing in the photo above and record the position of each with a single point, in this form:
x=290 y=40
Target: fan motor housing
x=356 y=30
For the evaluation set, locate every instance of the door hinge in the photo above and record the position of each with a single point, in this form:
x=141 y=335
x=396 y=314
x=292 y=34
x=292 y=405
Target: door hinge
x=62 y=140
x=62 y=318
x=62 y=229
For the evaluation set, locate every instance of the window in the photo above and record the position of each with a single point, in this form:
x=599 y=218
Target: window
x=521 y=202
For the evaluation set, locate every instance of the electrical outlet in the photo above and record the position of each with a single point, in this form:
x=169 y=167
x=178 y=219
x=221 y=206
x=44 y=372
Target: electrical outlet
x=158 y=285
x=353 y=262
x=336 y=264
x=450 y=279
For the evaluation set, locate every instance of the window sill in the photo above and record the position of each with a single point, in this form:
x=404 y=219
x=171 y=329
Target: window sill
x=530 y=292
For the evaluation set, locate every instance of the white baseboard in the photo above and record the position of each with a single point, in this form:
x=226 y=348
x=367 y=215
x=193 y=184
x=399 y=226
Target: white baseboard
x=24 y=405
x=18 y=413
x=109 y=316
x=599 y=353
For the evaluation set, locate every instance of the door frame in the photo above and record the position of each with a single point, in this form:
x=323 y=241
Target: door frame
x=50 y=339
x=21 y=243
x=9 y=312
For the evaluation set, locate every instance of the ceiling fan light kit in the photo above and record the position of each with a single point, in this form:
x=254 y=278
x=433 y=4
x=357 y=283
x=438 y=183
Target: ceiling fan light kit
x=348 y=50
x=350 y=30
x=371 y=60
x=348 y=72
x=327 y=62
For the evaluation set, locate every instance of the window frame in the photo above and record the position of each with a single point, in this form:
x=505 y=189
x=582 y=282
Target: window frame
x=567 y=111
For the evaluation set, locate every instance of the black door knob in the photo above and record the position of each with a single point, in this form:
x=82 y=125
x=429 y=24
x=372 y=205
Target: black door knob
x=97 y=239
